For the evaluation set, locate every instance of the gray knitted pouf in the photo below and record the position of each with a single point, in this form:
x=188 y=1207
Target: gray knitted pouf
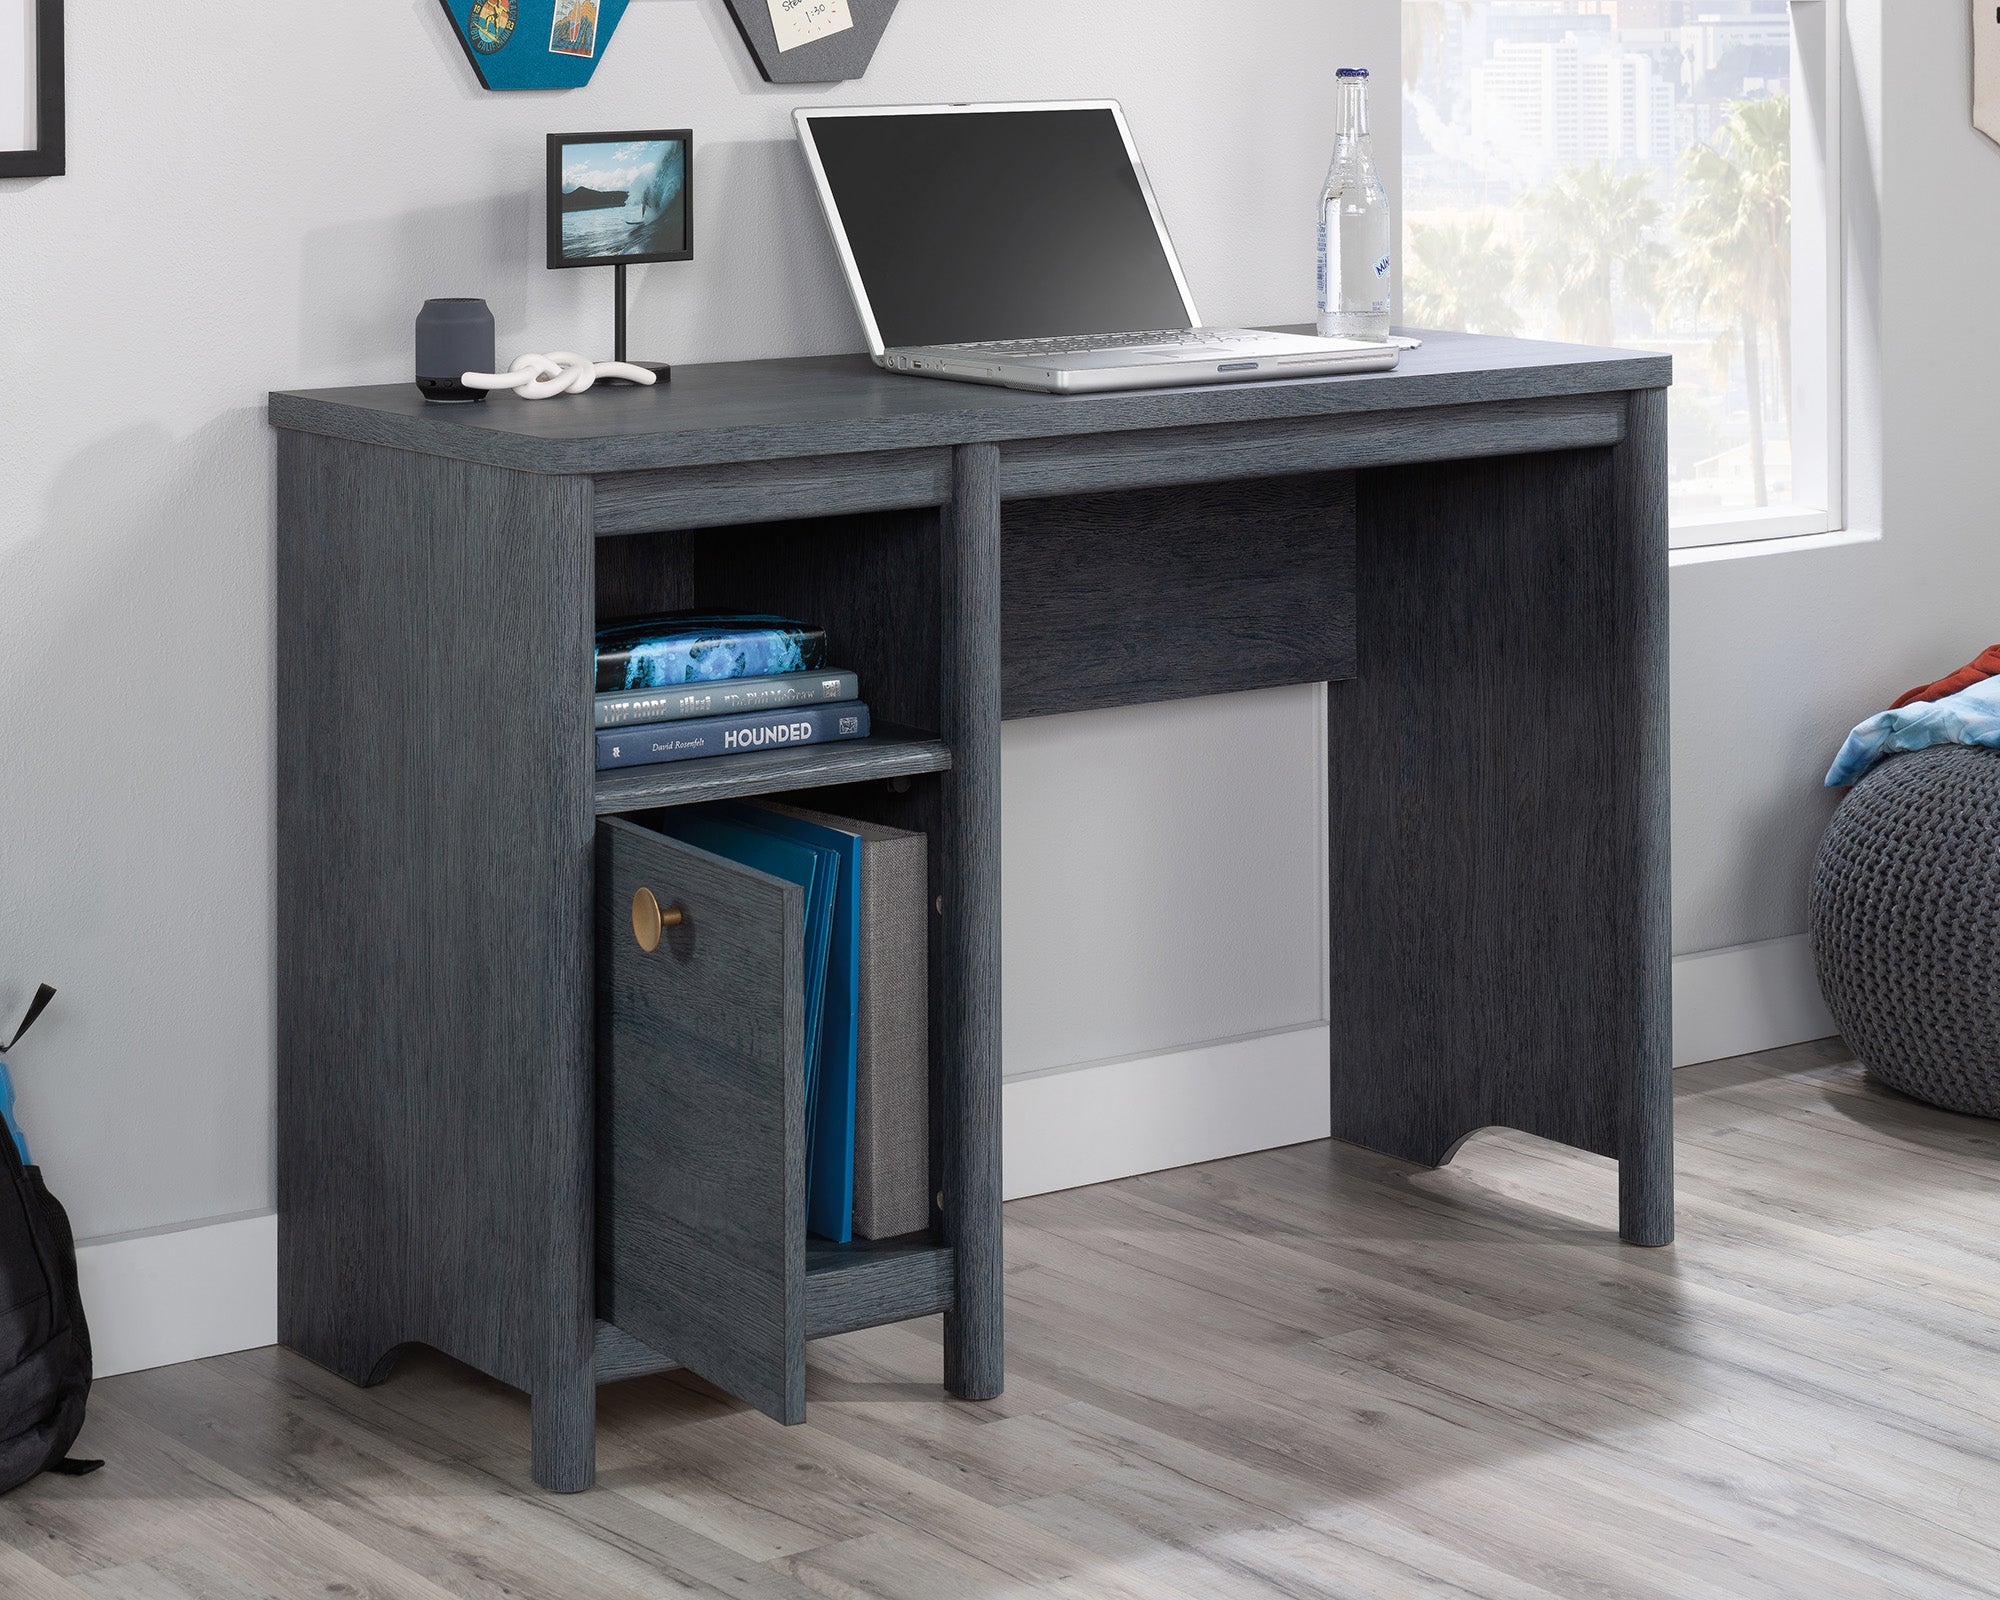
x=1906 y=925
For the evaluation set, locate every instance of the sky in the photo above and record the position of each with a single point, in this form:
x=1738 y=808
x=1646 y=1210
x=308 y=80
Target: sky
x=609 y=166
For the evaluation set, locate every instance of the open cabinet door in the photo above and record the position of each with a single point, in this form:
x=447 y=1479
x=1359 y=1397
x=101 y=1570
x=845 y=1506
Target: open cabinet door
x=701 y=1194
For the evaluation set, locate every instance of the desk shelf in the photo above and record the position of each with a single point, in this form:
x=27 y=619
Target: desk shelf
x=848 y=1286
x=873 y=1281
x=890 y=753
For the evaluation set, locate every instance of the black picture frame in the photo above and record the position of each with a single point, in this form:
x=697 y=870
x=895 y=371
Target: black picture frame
x=47 y=159
x=558 y=142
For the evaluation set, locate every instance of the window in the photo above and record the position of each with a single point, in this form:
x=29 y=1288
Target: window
x=1652 y=173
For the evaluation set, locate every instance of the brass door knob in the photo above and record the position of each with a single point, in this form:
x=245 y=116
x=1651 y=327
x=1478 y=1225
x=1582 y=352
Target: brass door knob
x=648 y=919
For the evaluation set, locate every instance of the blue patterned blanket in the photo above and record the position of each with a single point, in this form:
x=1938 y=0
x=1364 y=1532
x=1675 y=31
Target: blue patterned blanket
x=1972 y=716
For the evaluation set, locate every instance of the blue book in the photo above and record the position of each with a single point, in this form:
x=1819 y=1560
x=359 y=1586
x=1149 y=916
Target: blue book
x=654 y=742
x=830 y=1191
x=730 y=697
x=816 y=869
x=703 y=647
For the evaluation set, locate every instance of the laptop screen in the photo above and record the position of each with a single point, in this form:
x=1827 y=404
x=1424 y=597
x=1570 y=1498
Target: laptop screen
x=980 y=225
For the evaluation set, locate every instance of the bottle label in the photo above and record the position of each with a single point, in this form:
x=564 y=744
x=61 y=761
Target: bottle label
x=1323 y=272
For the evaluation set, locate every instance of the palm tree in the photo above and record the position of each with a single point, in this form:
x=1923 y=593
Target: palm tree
x=1423 y=35
x=1594 y=236
x=1458 y=276
x=1424 y=32
x=1735 y=226
x=1759 y=133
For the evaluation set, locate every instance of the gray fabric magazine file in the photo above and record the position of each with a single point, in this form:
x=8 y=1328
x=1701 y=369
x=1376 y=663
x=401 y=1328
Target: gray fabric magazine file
x=892 y=1091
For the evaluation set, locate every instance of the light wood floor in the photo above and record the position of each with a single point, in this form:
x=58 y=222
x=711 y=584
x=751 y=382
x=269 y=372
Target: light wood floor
x=1312 y=1372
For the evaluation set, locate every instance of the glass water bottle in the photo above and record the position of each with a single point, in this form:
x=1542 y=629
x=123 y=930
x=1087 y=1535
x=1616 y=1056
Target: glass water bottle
x=1354 y=227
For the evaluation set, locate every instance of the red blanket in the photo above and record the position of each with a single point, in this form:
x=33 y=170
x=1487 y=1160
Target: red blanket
x=1982 y=667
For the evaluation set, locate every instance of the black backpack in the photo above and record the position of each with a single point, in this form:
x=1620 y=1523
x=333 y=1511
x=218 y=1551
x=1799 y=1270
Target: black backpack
x=44 y=1344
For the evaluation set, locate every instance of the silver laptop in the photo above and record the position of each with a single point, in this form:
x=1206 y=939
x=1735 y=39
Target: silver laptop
x=1021 y=245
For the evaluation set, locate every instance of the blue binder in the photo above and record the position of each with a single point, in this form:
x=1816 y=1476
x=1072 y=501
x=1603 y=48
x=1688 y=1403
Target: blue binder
x=816 y=869
x=830 y=1188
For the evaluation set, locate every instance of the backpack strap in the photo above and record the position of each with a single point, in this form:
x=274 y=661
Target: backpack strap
x=36 y=1007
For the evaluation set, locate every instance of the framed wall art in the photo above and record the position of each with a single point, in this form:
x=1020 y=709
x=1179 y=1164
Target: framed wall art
x=1986 y=68
x=533 y=44
x=31 y=88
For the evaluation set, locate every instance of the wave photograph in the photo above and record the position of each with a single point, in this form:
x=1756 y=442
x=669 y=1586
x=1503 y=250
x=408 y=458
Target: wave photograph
x=624 y=200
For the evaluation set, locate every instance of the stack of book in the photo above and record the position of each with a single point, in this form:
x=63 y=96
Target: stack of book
x=866 y=1003
x=685 y=685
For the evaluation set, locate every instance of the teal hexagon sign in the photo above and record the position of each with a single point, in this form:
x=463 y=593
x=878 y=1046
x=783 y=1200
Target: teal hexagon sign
x=534 y=44
x=812 y=41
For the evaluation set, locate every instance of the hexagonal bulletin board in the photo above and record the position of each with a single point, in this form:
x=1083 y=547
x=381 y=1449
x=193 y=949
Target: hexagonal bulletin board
x=534 y=44
x=812 y=41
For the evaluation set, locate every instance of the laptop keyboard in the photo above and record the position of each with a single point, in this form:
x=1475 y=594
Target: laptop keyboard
x=1086 y=343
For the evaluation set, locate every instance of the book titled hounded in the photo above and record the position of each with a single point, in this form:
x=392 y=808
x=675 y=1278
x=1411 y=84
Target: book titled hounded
x=723 y=736
x=703 y=647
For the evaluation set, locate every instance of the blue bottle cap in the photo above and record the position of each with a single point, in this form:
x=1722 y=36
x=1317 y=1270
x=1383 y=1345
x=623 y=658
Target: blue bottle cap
x=1352 y=72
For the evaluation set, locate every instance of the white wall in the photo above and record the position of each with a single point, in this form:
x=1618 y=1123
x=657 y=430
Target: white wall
x=1164 y=877
x=262 y=200
x=266 y=205
x=1777 y=655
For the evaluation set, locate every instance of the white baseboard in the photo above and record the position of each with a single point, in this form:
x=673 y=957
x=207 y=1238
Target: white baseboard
x=1745 y=998
x=1093 y=1123
x=1116 y=1118
x=178 y=1295
x=154 y=1299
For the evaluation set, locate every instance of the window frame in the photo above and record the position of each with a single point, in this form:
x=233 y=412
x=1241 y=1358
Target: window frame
x=1819 y=353
x=1819 y=366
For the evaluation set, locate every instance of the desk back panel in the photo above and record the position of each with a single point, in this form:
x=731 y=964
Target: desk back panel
x=1175 y=593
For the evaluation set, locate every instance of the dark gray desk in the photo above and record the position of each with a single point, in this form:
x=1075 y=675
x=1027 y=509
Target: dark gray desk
x=472 y=1057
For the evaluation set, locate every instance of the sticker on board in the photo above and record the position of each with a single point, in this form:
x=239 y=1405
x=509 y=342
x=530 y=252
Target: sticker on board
x=534 y=44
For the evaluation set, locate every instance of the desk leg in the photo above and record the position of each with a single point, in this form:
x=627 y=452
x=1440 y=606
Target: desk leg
x=967 y=1037
x=1646 y=1145
x=1498 y=806
x=563 y=1428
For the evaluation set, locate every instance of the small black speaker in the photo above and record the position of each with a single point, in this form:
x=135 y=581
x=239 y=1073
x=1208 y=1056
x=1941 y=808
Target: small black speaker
x=454 y=337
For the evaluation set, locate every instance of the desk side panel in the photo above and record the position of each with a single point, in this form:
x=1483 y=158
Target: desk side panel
x=434 y=835
x=1646 y=1152
x=1497 y=851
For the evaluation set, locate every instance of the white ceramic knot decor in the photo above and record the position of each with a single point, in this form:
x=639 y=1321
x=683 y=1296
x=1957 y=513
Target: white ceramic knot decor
x=542 y=377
